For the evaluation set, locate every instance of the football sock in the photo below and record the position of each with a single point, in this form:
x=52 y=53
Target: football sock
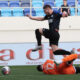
x=38 y=37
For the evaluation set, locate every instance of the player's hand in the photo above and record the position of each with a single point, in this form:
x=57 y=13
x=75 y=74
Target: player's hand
x=29 y=16
x=64 y=14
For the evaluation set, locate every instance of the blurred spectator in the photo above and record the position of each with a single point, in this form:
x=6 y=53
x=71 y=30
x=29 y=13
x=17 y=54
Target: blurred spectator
x=73 y=51
x=65 y=5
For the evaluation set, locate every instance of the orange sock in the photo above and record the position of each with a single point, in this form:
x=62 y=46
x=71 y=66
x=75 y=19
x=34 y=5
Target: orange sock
x=70 y=57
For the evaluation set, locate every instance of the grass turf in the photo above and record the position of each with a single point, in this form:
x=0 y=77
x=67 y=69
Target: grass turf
x=30 y=73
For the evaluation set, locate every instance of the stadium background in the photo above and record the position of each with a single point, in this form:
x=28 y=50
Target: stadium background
x=17 y=36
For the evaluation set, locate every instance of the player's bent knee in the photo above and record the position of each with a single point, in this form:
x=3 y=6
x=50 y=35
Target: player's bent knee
x=41 y=30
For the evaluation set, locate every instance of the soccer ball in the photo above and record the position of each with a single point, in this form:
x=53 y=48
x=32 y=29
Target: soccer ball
x=5 y=70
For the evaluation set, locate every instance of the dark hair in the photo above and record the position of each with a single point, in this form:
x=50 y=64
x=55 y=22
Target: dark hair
x=47 y=6
x=39 y=68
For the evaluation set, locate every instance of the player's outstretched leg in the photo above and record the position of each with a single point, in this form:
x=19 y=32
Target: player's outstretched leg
x=38 y=38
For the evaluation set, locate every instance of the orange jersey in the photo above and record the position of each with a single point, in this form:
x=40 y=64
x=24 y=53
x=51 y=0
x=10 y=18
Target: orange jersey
x=49 y=67
x=64 y=68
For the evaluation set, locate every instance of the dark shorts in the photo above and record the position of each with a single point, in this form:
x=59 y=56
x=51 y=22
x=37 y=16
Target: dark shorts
x=52 y=36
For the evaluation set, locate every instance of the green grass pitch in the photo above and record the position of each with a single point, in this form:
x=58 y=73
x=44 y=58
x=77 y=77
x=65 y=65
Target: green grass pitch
x=30 y=73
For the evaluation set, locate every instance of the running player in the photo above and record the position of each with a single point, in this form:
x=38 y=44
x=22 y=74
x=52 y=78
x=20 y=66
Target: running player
x=53 y=32
x=65 y=66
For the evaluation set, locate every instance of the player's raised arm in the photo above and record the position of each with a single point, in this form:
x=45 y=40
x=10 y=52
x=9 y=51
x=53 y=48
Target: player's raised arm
x=68 y=58
x=35 y=18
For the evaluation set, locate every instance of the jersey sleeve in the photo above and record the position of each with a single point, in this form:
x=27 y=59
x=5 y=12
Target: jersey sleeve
x=70 y=58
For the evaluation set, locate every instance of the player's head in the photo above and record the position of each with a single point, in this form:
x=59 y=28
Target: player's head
x=64 y=14
x=65 y=2
x=39 y=68
x=47 y=9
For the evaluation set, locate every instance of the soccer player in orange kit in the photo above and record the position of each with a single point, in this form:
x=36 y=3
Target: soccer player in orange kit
x=65 y=66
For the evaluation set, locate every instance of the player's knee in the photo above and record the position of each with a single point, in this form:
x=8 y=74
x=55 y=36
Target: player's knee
x=41 y=30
